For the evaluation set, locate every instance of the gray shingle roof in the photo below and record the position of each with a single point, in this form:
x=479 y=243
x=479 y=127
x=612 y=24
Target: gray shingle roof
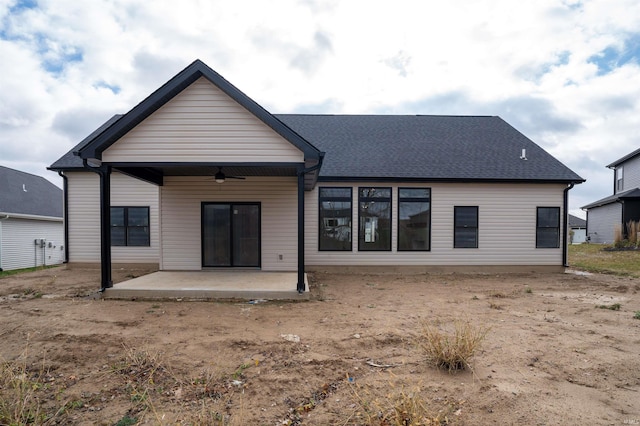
x=576 y=222
x=24 y=193
x=625 y=158
x=411 y=147
x=631 y=193
x=426 y=147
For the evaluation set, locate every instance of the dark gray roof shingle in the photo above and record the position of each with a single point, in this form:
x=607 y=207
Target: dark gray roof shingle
x=631 y=193
x=426 y=147
x=24 y=193
x=576 y=222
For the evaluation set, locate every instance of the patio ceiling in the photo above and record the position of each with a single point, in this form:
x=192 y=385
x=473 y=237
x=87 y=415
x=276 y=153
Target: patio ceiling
x=154 y=173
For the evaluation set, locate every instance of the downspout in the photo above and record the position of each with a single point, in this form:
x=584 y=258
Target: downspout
x=565 y=206
x=65 y=214
x=301 y=287
x=586 y=228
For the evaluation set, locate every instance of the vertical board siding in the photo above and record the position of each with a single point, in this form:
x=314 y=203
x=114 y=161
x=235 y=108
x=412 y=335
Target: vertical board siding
x=84 y=216
x=19 y=249
x=181 y=201
x=202 y=124
x=630 y=174
x=602 y=222
x=506 y=233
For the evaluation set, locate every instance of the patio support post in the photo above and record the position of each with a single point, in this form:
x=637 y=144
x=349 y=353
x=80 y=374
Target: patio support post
x=301 y=286
x=105 y=227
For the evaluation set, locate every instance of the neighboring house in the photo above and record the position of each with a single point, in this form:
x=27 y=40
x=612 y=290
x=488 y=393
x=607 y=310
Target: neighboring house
x=31 y=226
x=578 y=229
x=603 y=216
x=200 y=176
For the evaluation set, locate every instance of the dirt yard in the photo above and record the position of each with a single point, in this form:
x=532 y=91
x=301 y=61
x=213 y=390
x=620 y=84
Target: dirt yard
x=557 y=353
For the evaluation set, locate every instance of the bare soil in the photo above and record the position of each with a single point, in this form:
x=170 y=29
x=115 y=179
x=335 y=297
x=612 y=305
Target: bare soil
x=552 y=356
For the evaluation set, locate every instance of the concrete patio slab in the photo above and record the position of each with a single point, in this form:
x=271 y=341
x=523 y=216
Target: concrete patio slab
x=208 y=285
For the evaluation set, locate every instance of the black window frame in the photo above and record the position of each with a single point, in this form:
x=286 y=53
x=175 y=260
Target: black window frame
x=539 y=228
x=322 y=199
x=126 y=226
x=416 y=200
x=370 y=199
x=466 y=227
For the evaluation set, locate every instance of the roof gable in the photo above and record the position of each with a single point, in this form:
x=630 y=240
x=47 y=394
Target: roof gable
x=27 y=194
x=195 y=71
x=202 y=124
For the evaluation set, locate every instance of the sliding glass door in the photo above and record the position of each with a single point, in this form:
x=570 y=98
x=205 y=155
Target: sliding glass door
x=231 y=234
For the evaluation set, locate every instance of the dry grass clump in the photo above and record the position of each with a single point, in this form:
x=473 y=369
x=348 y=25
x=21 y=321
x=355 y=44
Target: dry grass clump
x=617 y=235
x=633 y=228
x=453 y=350
x=24 y=390
x=145 y=378
x=400 y=407
x=19 y=400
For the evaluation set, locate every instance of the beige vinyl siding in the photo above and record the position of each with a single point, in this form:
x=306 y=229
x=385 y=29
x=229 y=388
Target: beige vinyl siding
x=127 y=191
x=202 y=124
x=84 y=216
x=18 y=249
x=181 y=202
x=83 y=197
x=506 y=235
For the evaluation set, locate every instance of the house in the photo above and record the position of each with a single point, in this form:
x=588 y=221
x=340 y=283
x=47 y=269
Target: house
x=603 y=216
x=200 y=176
x=578 y=230
x=31 y=225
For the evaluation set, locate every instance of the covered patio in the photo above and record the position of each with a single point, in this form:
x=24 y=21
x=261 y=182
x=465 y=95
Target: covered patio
x=207 y=285
x=232 y=181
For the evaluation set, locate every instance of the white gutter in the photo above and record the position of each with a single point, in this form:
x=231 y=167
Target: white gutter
x=30 y=217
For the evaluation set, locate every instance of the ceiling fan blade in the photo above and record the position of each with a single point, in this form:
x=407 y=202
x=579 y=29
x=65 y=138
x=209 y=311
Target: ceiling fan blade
x=220 y=176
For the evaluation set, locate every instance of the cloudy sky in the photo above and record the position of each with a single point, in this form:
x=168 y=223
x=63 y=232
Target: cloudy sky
x=565 y=73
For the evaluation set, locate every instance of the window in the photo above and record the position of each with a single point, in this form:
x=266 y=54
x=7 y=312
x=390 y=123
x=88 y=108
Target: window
x=465 y=226
x=414 y=219
x=374 y=213
x=548 y=227
x=619 y=179
x=130 y=226
x=335 y=219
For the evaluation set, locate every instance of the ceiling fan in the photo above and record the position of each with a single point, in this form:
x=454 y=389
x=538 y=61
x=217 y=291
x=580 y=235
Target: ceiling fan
x=220 y=176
